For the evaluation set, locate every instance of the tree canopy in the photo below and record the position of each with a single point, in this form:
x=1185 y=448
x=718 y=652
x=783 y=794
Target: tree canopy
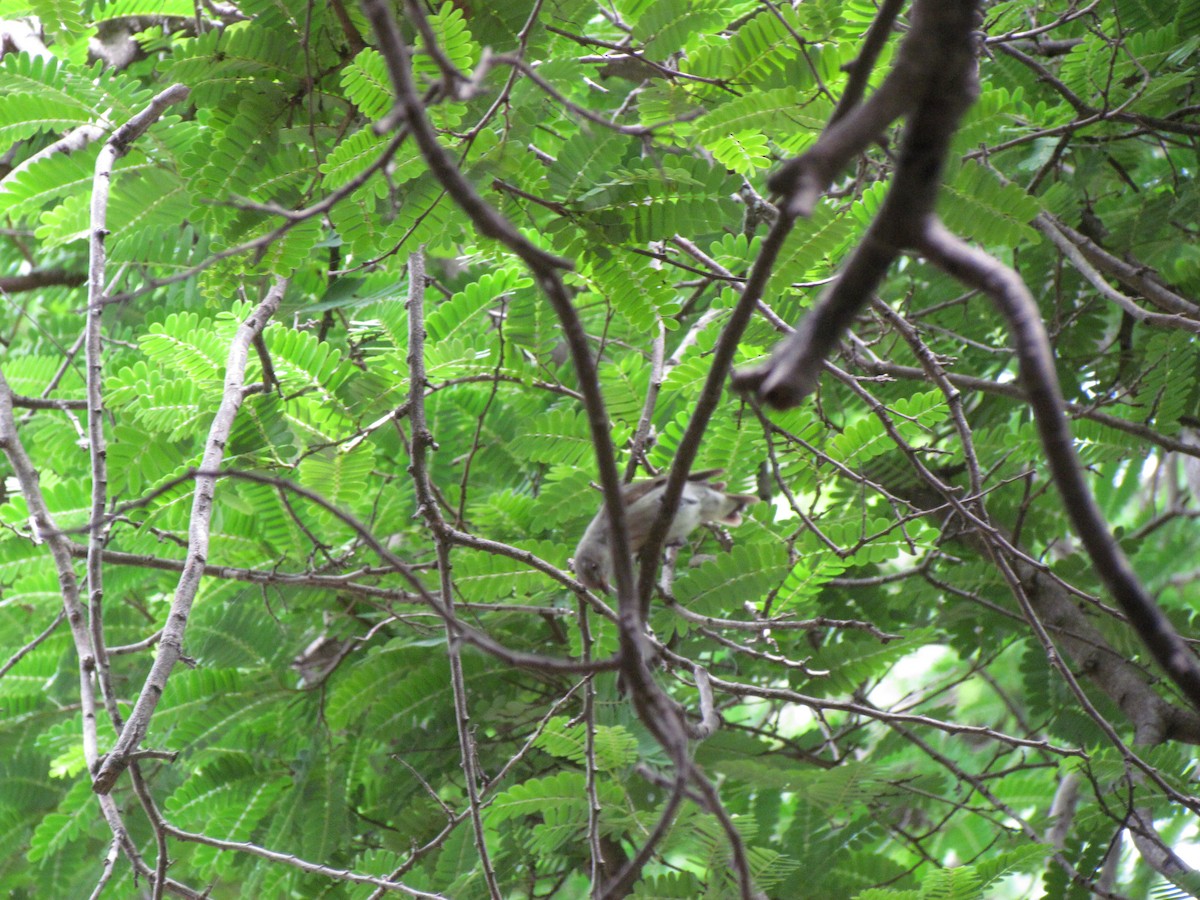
x=322 y=324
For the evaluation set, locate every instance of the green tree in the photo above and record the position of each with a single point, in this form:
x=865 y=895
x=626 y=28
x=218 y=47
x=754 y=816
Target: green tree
x=321 y=324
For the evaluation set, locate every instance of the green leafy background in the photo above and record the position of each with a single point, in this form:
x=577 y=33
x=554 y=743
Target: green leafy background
x=355 y=766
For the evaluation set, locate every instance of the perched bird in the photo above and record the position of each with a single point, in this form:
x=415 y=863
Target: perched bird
x=703 y=501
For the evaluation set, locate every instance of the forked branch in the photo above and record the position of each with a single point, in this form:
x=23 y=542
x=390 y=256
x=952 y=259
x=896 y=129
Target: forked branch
x=937 y=65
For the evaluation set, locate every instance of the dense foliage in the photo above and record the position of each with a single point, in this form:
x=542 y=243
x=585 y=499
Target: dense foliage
x=913 y=702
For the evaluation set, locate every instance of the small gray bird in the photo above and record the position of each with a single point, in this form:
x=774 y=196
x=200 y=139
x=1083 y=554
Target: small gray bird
x=703 y=501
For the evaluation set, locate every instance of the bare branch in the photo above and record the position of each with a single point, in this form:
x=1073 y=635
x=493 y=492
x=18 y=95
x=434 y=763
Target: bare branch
x=71 y=142
x=45 y=529
x=1062 y=810
x=114 y=148
x=20 y=402
x=1188 y=320
x=15 y=284
x=934 y=75
x=33 y=644
x=1139 y=278
x=1008 y=291
x=171 y=644
x=422 y=442
x=287 y=859
x=709 y=720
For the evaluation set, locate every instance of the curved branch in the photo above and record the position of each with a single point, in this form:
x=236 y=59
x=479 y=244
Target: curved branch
x=1008 y=292
x=936 y=67
x=654 y=708
x=1184 y=319
x=45 y=529
x=171 y=645
x=925 y=79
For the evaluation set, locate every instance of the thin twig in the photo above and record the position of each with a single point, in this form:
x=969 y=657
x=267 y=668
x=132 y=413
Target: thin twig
x=295 y=862
x=422 y=443
x=33 y=644
x=599 y=865
x=465 y=632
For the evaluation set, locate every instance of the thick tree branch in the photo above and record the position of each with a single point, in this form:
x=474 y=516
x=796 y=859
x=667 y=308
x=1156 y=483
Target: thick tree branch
x=1040 y=380
x=935 y=74
x=15 y=284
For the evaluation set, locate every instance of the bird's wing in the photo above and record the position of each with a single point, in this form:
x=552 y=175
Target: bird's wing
x=632 y=493
x=640 y=521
